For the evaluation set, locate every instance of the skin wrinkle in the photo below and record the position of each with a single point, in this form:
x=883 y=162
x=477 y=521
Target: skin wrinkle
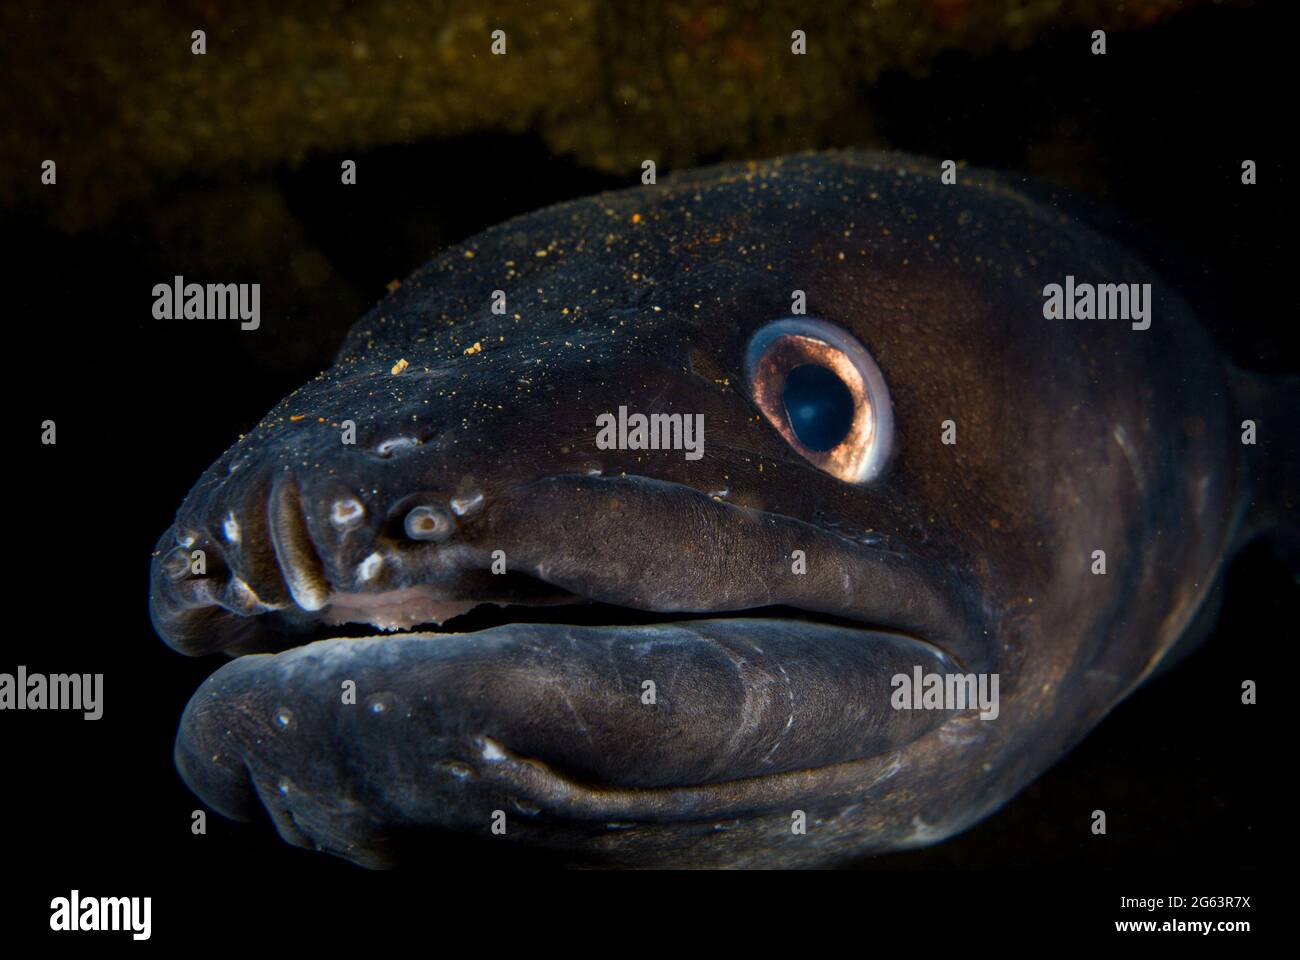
x=790 y=721
x=577 y=717
x=1121 y=438
x=726 y=797
x=745 y=716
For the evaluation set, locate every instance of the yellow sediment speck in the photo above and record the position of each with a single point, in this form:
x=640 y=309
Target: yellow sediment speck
x=470 y=351
x=399 y=366
x=295 y=417
x=636 y=218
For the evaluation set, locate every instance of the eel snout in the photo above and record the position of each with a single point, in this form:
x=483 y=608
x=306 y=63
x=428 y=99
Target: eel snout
x=253 y=566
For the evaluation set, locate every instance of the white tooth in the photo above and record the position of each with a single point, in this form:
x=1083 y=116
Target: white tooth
x=230 y=527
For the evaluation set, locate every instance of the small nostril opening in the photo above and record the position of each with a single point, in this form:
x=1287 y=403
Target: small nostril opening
x=427 y=523
x=346 y=513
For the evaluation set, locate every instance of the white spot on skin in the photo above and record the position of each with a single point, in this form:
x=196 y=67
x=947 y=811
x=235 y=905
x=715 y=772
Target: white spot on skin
x=466 y=504
x=394 y=443
x=369 y=567
x=346 y=513
x=230 y=527
x=923 y=833
x=492 y=750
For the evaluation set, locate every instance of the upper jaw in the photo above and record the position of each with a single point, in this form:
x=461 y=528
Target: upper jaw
x=627 y=541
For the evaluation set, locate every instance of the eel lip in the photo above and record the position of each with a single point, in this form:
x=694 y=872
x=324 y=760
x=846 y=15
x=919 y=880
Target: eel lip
x=643 y=708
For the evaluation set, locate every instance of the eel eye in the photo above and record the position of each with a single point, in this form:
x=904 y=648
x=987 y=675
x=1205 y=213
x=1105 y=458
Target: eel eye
x=824 y=394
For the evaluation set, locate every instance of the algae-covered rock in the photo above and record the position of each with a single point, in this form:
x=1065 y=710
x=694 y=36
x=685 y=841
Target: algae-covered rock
x=115 y=95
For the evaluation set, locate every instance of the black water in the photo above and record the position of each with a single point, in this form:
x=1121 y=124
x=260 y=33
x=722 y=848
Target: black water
x=143 y=406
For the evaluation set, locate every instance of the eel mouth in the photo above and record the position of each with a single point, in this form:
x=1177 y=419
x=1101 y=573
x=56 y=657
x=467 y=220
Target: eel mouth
x=649 y=642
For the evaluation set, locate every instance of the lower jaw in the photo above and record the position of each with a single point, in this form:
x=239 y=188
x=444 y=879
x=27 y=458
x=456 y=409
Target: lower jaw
x=662 y=705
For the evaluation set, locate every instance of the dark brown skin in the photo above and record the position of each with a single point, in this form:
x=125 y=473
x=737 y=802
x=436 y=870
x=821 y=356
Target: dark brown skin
x=1072 y=436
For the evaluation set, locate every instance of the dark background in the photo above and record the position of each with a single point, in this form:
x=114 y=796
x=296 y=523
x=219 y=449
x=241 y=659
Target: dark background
x=1158 y=128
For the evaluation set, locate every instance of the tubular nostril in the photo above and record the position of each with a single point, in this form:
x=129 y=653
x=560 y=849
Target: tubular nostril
x=347 y=513
x=176 y=564
x=428 y=523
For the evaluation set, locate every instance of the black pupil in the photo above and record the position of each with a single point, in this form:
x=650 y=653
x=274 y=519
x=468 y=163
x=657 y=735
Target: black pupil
x=819 y=405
